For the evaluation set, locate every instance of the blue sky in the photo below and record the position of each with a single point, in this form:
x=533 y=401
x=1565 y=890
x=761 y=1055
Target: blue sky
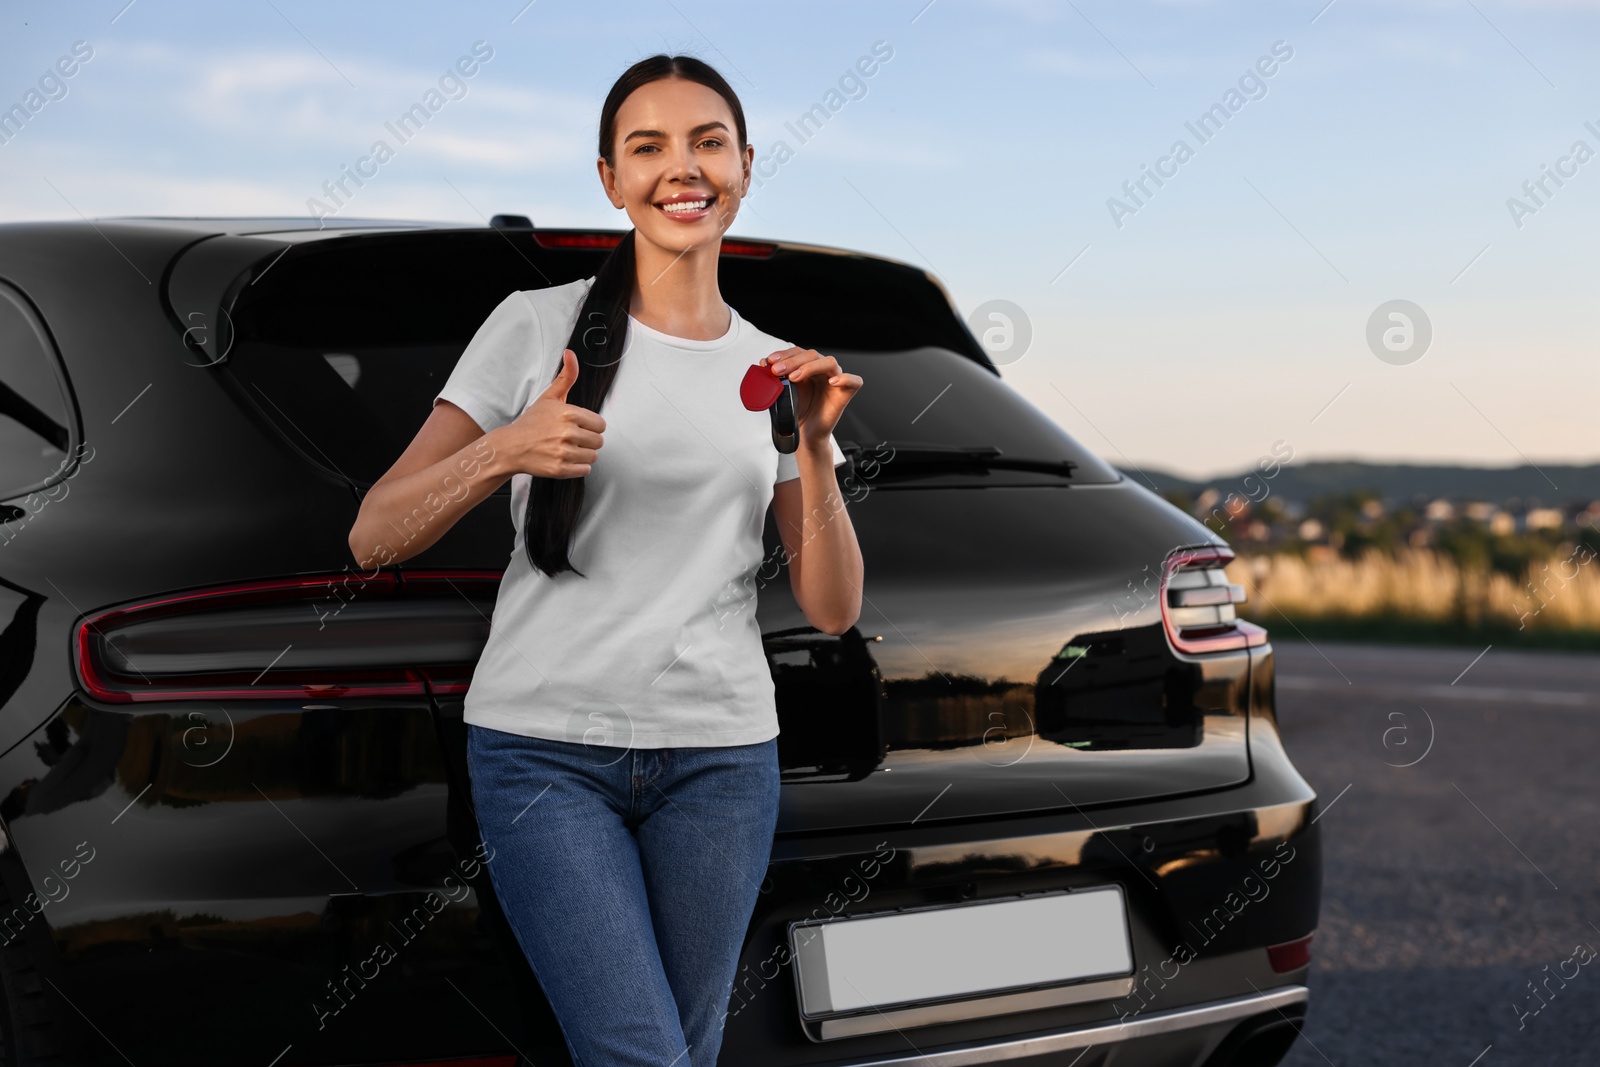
x=1226 y=312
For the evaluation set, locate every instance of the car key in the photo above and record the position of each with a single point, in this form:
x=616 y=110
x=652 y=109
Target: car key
x=760 y=391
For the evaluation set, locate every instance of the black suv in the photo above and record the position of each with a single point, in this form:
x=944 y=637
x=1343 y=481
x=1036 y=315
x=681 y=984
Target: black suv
x=1036 y=808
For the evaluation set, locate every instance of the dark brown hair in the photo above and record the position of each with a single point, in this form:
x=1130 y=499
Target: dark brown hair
x=601 y=328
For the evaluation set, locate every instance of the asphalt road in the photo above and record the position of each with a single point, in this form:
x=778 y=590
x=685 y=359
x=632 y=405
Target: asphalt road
x=1461 y=837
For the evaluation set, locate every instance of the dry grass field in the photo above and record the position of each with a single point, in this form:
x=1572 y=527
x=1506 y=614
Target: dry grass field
x=1423 y=589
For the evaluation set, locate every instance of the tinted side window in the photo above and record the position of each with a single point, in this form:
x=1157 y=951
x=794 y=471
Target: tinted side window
x=35 y=409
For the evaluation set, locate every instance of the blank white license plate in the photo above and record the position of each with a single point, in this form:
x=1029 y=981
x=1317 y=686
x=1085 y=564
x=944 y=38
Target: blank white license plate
x=965 y=949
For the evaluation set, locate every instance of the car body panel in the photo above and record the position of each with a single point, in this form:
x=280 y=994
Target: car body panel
x=1007 y=716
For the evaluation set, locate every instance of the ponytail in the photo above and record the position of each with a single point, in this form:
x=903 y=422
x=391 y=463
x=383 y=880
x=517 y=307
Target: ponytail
x=597 y=339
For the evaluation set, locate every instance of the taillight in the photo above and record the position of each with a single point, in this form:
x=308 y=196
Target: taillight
x=759 y=249
x=1290 y=956
x=546 y=239
x=1197 y=602
x=571 y=239
x=306 y=637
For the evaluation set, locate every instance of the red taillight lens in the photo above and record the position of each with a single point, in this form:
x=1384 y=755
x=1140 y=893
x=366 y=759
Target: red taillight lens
x=1290 y=956
x=546 y=239
x=1197 y=602
x=760 y=249
x=306 y=637
x=567 y=239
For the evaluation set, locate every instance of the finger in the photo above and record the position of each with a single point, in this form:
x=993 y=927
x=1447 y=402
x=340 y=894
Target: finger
x=581 y=455
x=788 y=359
x=564 y=380
x=813 y=366
x=807 y=365
x=585 y=419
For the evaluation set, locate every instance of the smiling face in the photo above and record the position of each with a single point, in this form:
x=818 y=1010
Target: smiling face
x=677 y=166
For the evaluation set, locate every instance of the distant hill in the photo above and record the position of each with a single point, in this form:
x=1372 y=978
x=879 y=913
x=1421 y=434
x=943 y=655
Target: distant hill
x=1399 y=483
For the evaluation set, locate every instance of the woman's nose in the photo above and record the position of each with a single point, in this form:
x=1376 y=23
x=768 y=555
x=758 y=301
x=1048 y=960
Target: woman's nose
x=681 y=163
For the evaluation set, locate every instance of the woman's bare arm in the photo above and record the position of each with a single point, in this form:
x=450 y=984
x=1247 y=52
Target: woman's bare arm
x=825 y=567
x=452 y=465
x=444 y=473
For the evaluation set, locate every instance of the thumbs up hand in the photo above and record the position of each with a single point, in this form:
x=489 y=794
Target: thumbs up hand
x=552 y=438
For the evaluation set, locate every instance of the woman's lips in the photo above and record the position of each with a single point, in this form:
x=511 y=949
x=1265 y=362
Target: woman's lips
x=686 y=214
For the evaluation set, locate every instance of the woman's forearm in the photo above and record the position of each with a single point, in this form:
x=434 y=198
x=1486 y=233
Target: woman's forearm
x=828 y=581
x=402 y=516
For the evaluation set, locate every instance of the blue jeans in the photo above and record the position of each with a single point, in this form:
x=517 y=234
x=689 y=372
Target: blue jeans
x=629 y=877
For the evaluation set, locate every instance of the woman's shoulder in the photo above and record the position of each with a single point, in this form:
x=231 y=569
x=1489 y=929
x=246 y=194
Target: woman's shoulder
x=554 y=303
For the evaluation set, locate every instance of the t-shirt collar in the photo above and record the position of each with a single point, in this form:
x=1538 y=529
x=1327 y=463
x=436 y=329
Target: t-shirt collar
x=689 y=344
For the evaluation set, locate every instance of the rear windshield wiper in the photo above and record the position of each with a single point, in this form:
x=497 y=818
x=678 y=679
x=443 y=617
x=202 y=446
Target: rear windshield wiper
x=890 y=459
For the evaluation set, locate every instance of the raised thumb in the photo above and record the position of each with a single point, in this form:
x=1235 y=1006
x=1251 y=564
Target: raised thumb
x=565 y=379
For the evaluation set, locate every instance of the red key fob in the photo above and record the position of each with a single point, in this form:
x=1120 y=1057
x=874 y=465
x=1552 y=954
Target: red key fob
x=760 y=389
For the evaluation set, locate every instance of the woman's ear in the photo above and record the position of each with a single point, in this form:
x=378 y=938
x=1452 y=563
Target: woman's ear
x=608 y=181
x=749 y=161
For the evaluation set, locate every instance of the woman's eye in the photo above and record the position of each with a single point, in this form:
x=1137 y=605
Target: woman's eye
x=711 y=142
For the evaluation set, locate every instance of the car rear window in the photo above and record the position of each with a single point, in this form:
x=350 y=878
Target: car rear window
x=344 y=342
x=35 y=408
x=933 y=397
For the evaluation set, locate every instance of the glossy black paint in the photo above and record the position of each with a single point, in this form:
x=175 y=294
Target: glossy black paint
x=301 y=878
x=970 y=612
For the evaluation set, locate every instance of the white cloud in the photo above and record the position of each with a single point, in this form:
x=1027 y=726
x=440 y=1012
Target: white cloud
x=296 y=100
x=259 y=131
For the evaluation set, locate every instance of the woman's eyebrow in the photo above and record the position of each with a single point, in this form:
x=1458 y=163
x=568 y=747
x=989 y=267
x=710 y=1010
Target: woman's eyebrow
x=702 y=128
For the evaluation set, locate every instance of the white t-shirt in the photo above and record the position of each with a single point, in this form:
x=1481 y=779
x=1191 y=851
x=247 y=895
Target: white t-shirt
x=658 y=646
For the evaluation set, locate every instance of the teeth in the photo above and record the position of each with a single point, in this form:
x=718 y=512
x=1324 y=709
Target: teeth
x=685 y=205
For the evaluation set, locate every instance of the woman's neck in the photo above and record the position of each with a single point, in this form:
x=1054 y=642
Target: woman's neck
x=678 y=294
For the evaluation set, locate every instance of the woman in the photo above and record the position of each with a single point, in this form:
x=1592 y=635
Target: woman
x=621 y=723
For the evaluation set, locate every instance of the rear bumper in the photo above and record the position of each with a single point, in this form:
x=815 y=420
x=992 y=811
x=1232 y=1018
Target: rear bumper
x=1211 y=881
x=1182 y=1036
